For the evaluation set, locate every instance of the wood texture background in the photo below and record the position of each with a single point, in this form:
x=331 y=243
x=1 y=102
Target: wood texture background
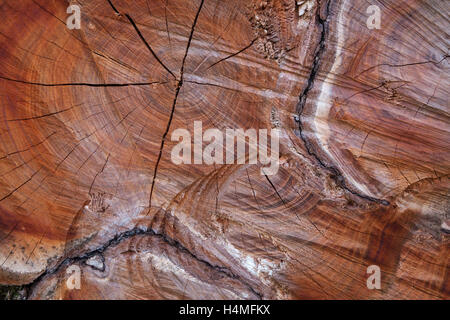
x=85 y=125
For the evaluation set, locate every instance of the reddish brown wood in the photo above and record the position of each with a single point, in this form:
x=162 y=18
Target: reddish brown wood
x=86 y=175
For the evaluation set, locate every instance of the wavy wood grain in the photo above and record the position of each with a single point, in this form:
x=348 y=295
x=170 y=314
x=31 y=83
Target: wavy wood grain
x=87 y=179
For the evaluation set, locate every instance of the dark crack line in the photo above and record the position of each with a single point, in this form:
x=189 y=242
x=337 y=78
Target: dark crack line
x=404 y=65
x=172 y=112
x=336 y=174
x=129 y=234
x=276 y=191
x=44 y=115
x=24 y=163
x=115 y=60
x=234 y=54
x=21 y=185
x=142 y=38
x=190 y=38
x=28 y=148
x=82 y=83
x=177 y=90
x=113 y=7
x=284 y=203
x=98 y=173
x=163 y=140
x=148 y=45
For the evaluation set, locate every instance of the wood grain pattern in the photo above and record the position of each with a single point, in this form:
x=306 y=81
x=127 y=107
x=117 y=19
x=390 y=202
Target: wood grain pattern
x=85 y=153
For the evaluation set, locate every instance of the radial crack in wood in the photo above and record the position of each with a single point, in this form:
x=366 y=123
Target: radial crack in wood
x=89 y=183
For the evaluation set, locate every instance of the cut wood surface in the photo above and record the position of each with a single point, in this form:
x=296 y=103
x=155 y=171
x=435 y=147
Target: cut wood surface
x=87 y=179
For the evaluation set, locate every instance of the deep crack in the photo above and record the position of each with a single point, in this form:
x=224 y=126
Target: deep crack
x=86 y=84
x=233 y=54
x=172 y=112
x=335 y=173
x=126 y=235
x=163 y=140
x=148 y=45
